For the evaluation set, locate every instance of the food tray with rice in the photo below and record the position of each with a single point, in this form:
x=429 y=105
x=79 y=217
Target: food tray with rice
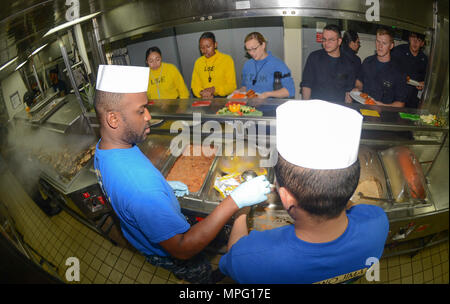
x=226 y=174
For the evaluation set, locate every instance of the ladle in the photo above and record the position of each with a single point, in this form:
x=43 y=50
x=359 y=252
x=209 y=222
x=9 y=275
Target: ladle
x=250 y=174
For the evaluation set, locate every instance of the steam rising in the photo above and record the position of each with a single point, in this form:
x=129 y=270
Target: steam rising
x=37 y=149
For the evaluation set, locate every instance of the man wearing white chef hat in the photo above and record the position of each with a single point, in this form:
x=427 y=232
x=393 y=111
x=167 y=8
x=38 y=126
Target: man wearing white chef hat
x=317 y=172
x=149 y=212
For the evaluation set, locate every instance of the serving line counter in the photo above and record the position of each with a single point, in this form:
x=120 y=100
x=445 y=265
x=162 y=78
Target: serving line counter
x=387 y=143
x=411 y=218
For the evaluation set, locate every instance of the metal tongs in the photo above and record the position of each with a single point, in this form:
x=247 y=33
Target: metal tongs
x=394 y=205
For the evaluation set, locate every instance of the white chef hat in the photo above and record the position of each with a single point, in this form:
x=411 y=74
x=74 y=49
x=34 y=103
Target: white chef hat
x=317 y=134
x=122 y=78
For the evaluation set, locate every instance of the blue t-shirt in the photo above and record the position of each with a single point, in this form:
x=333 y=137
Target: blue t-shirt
x=384 y=82
x=148 y=210
x=260 y=72
x=279 y=256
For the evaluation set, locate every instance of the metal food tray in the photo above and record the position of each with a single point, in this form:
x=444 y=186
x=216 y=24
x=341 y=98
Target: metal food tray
x=211 y=195
x=157 y=148
x=411 y=203
x=37 y=107
x=171 y=161
x=56 y=180
x=371 y=169
x=48 y=110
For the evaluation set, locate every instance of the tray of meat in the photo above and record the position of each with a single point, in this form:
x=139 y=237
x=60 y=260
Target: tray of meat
x=192 y=168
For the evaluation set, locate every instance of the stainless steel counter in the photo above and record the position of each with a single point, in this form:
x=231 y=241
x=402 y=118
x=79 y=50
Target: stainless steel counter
x=59 y=121
x=424 y=140
x=379 y=133
x=389 y=117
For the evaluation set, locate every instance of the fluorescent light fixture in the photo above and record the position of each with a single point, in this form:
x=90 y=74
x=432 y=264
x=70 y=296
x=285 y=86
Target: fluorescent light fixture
x=70 y=23
x=38 y=50
x=21 y=65
x=8 y=63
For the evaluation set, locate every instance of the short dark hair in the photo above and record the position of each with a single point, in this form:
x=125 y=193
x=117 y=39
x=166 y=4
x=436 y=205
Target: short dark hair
x=321 y=193
x=208 y=35
x=349 y=36
x=106 y=101
x=334 y=28
x=151 y=50
x=417 y=35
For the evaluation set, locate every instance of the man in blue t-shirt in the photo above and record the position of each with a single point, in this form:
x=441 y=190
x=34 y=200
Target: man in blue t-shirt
x=413 y=62
x=316 y=175
x=328 y=73
x=149 y=213
x=380 y=77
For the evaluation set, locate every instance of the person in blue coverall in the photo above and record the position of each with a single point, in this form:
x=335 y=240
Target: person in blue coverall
x=328 y=74
x=316 y=174
x=380 y=76
x=145 y=203
x=413 y=62
x=258 y=72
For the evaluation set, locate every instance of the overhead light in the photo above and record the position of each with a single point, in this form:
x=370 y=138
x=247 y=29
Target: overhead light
x=21 y=65
x=38 y=50
x=8 y=63
x=70 y=23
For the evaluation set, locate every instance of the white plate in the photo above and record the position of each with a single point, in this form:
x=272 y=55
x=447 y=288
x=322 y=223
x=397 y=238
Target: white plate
x=229 y=96
x=355 y=95
x=155 y=122
x=413 y=82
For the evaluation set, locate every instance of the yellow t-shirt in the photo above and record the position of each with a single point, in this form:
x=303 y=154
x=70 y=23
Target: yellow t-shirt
x=216 y=71
x=166 y=83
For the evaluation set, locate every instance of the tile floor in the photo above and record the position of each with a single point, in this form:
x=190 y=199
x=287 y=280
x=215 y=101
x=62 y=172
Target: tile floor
x=59 y=237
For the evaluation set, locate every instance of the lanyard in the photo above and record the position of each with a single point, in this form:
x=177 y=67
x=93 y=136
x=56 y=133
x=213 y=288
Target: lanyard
x=157 y=83
x=207 y=68
x=257 y=72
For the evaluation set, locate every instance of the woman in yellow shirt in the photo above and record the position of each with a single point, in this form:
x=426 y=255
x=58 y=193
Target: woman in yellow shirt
x=213 y=73
x=165 y=81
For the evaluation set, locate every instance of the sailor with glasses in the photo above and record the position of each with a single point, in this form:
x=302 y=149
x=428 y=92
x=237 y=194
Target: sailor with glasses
x=328 y=74
x=258 y=72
